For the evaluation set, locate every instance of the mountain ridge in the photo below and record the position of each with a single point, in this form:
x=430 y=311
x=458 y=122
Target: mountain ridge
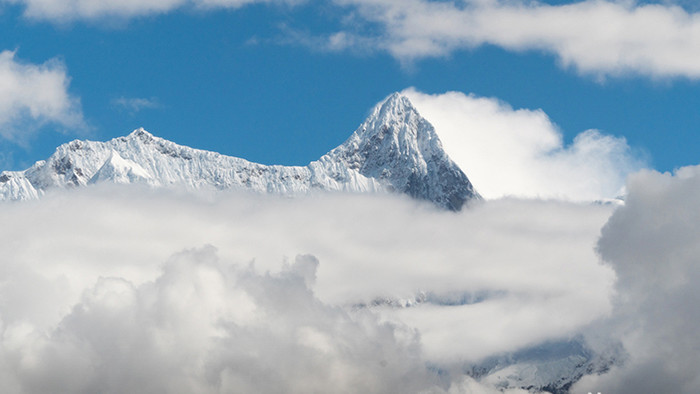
x=394 y=150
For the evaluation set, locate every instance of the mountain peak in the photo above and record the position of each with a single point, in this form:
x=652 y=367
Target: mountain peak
x=398 y=147
x=395 y=109
x=397 y=101
x=394 y=150
x=140 y=134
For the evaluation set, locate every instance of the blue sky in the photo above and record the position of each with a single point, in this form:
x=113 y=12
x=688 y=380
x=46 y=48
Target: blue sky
x=284 y=82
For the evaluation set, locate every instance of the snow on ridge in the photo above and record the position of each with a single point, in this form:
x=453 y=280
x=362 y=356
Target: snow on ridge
x=394 y=150
x=116 y=169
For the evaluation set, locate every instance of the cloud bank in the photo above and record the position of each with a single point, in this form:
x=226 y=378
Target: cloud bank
x=653 y=243
x=107 y=287
x=520 y=152
x=34 y=95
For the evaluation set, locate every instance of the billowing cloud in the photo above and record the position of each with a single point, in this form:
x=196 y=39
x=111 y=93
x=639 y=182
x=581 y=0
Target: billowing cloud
x=653 y=243
x=520 y=152
x=205 y=327
x=592 y=36
x=91 y=293
x=34 y=95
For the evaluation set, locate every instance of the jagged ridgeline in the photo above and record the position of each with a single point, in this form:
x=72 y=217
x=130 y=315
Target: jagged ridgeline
x=394 y=150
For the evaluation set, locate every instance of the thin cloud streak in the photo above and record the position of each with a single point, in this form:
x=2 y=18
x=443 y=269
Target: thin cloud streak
x=64 y=11
x=134 y=105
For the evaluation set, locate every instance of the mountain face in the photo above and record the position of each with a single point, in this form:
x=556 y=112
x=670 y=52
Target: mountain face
x=394 y=150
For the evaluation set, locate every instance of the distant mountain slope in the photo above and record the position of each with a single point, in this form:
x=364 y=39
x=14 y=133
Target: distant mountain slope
x=394 y=150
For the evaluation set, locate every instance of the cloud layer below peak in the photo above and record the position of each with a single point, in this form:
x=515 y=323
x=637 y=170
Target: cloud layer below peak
x=652 y=243
x=107 y=287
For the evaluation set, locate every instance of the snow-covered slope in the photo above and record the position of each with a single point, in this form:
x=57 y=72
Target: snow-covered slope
x=549 y=367
x=116 y=169
x=394 y=150
x=552 y=367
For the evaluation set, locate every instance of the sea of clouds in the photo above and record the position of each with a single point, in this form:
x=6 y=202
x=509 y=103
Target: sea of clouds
x=122 y=289
x=130 y=289
x=113 y=289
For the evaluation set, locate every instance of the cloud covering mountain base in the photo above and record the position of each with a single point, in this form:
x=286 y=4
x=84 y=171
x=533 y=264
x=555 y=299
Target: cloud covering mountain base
x=117 y=289
x=202 y=326
x=653 y=243
x=112 y=289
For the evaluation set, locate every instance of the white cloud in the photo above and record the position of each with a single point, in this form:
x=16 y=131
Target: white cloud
x=76 y=9
x=69 y=10
x=34 y=95
x=135 y=104
x=85 y=299
x=593 y=36
x=205 y=327
x=520 y=152
x=653 y=243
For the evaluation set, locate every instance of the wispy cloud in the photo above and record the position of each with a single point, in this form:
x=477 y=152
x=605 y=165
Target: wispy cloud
x=34 y=95
x=598 y=37
x=135 y=104
x=71 y=10
x=6 y=160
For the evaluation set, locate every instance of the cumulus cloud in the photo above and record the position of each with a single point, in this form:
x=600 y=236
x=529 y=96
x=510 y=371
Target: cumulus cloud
x=653 y=243
x=34 y=95
x=93 y=298
x=205 y=327
x=520 y=152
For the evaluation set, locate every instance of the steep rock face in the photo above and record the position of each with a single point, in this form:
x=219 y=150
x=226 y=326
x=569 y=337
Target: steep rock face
x=394 y=150
x=401 y=149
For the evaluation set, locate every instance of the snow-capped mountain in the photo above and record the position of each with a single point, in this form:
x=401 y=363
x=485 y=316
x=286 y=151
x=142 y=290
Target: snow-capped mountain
x=548 y=367
x=394 y=150
x=551 y=367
